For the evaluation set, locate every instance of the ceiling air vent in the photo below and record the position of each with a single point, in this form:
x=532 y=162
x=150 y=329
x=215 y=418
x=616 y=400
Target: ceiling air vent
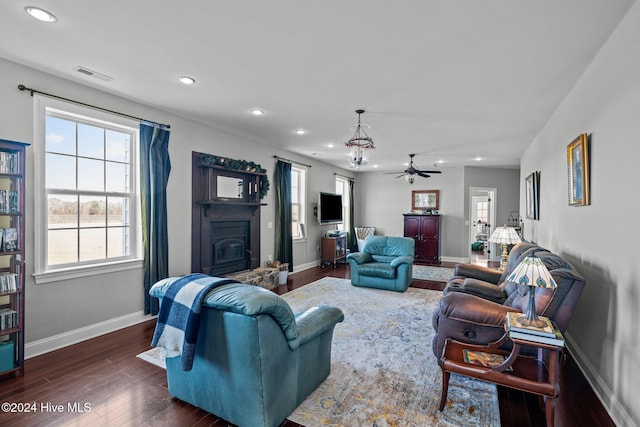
x=94 y=74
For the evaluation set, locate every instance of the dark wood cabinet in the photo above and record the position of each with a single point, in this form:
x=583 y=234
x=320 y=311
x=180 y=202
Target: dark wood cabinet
x=425 y=230
x=334 y=249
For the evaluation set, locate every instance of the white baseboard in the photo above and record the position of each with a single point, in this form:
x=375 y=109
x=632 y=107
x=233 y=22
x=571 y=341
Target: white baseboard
x=306 y=266
x=65 y=339
x=454 y=259
x=608 y=399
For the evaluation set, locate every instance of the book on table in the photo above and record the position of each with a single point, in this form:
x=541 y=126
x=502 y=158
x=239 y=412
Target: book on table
x=513 y=324
x=557 y=340
x=481 y=358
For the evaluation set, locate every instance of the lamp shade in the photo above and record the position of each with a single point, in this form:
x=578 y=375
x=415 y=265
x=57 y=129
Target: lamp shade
x=505 y=236
x=532 y=272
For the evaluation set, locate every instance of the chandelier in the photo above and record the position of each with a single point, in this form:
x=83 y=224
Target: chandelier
x=358 y=144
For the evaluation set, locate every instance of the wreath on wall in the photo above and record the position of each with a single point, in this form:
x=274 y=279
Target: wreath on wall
x=238 y=165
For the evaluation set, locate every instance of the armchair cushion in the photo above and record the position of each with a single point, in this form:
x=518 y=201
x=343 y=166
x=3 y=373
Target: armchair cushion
x=397 y=261
x=485 y=274
x=360 y=257
x=243 y=299
x=477 y=287
x=377 y=269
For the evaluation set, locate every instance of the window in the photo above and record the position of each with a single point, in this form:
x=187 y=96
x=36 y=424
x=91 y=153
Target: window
x=86 y=209
x=342 y=187
x=482 y=212
x=298 y=201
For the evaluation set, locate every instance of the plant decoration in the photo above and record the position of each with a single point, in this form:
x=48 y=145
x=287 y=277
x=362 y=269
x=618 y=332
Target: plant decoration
x=239 y=165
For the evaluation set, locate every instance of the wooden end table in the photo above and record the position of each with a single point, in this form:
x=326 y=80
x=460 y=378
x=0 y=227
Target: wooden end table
x=520 y=372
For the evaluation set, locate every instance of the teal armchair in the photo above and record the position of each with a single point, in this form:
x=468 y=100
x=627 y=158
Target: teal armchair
x=255 y=361
x=384 y=263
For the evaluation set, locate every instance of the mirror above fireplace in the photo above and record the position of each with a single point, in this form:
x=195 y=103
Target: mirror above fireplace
x=229 y=187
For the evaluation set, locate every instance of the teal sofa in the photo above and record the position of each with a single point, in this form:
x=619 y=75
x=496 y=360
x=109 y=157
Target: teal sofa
x=384 y=263
x=255 y=361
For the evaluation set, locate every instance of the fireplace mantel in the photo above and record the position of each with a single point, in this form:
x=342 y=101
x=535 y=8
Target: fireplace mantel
x=213 y=203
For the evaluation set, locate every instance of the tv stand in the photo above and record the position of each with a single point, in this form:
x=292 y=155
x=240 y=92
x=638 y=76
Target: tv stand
x=334 y=249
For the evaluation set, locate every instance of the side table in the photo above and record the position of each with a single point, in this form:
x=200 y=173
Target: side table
x=520 y=372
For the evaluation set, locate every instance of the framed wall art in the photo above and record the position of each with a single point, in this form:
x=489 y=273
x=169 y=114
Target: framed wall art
x=422 y=200
x=578 y=171
x=532 y=188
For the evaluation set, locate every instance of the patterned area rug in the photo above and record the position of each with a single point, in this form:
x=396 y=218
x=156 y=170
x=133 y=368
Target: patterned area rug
x=154 y=356
x=436 y=274
x=383 y=371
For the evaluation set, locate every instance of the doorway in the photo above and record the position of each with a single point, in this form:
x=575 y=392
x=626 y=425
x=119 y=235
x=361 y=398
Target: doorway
x=482 y=218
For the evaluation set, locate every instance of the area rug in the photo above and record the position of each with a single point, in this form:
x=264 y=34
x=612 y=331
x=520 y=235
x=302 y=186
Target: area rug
x=155 y=356
x=428 y=272
x=383 y=371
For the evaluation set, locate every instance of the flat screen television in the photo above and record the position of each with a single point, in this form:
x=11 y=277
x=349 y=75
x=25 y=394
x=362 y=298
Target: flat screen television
x=330 y=208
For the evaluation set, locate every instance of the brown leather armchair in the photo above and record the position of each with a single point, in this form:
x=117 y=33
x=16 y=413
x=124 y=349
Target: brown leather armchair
x=476 y=300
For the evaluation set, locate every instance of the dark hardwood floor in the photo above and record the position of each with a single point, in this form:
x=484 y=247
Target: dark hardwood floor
x=102 y=378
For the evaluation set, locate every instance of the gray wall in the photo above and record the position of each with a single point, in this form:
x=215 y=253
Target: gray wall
x=55 y=309
x=601 y=240
x=383 y=200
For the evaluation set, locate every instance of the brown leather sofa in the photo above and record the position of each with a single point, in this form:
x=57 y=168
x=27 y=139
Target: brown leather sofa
x=476 y=300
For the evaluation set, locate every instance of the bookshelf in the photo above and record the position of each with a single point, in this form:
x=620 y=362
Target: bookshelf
x=12 y=203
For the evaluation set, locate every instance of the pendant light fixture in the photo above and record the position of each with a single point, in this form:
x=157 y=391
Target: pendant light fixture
x=358 y=144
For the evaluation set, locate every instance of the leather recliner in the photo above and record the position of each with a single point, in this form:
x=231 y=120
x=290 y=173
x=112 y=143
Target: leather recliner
x=475 y=301
x=255 y=361
x=384 y=263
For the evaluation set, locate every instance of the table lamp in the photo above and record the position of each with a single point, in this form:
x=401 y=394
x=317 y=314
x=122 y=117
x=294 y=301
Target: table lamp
x=533 y=273
x=504 y=236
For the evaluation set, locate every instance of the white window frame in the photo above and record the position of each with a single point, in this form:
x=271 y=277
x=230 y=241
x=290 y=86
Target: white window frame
x=42 y=272
x=342 y=187
x=302 y=202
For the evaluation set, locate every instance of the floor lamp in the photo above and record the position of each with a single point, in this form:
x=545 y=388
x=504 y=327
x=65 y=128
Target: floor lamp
x=504 y=236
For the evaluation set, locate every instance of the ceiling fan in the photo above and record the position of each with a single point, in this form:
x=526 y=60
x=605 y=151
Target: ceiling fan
x=410 y=172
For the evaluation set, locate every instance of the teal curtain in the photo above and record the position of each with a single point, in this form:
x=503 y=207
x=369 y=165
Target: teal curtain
x=154 y=175
x=283 y=238
x=352 y=243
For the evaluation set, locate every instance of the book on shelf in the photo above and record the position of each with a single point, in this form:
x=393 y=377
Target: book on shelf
x=8 y=282
x=9 y=162
x=8 y=318
x=513 y=324
x=9 y=239
x=557 y=340
x=481 y=358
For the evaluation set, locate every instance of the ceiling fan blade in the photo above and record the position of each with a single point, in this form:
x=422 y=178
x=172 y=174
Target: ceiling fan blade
x=400 y=176
x=422 y=174
x=391 y=173
x=431 y=171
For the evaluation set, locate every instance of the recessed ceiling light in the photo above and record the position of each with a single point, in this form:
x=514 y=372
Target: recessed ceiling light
x=40 y=14
x=186 y=80
x=441 y=161
x=375 y=166
x=477 y=159
x=301 y=131
x=257 y=112
x=331 y=145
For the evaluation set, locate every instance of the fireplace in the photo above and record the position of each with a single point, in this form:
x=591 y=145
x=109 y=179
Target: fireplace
x=225 y=214
x=229 y=247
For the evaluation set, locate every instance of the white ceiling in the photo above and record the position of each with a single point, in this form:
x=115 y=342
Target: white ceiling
x=450 y=80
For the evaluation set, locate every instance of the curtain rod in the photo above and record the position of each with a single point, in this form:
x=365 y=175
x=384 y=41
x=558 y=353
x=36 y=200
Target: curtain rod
x=344 y=176
x=290 y=161
x=32 y=91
